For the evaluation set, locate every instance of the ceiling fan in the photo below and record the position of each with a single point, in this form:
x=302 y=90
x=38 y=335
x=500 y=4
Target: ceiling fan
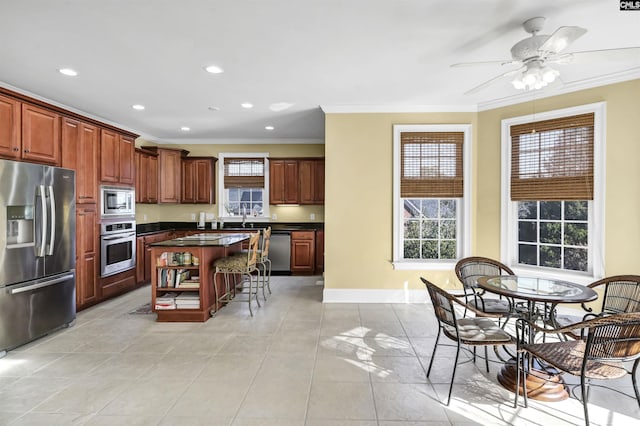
x=533 y=55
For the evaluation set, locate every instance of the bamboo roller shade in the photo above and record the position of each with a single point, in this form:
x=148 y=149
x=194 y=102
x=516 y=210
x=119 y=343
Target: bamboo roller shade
x=553 y=159
x=243 y=172
x=431 y=164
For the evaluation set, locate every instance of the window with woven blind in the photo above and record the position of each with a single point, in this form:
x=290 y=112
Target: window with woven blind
x=553 y=159
x=431 y=164
x=244 y=172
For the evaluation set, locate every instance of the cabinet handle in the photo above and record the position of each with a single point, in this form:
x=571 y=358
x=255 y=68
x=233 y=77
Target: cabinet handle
x=16 y=149
x=26 y=150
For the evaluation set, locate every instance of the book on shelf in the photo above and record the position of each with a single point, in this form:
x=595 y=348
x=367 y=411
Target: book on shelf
x=188 y=301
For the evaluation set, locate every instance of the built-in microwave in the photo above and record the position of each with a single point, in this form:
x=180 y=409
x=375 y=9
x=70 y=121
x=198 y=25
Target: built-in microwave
x=117 y=201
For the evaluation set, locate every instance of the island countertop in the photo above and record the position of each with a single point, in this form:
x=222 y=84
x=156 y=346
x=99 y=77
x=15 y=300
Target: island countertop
x=205 y=240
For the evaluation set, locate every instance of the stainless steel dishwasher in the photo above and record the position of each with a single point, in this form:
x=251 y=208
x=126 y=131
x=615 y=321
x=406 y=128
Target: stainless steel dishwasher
x=280 y=252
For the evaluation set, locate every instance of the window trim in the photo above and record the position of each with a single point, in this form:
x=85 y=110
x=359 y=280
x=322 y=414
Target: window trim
x=463 y=204
x=508 y=225
x=221 y=188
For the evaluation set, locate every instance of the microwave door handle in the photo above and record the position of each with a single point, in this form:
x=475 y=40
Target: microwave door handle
x=43 y=207
x=52 y=205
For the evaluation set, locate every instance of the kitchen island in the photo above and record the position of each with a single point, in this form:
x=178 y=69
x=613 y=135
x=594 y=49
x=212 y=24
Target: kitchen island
x=181 y=281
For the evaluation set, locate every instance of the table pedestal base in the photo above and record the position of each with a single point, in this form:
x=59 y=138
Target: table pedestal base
x=541 y=385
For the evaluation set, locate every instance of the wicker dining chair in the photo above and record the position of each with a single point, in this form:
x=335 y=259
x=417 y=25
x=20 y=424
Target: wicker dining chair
x=620 y=294
x=480 y=330
x=468 y=270
x=610 y=342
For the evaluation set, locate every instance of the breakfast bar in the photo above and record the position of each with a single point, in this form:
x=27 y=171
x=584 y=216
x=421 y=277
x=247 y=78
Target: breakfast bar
x=181 y=281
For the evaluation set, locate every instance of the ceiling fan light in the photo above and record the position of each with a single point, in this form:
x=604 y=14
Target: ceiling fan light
x=549 y=75
x=518 y=84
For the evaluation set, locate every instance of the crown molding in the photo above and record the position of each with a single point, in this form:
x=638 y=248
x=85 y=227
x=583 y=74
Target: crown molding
x=352 y=109
x=238 y=141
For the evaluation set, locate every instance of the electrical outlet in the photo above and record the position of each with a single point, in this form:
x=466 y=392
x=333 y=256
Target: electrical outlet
x=144 y=217
x=274 y=216
x=312 y=216
x=193 y=216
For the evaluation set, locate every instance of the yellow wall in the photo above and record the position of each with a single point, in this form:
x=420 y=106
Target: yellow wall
x=359 y=204
x=149 y=213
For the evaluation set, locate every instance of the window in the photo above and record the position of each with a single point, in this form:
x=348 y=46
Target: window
x=430 y=213
x=552 y=192
x=243 y=185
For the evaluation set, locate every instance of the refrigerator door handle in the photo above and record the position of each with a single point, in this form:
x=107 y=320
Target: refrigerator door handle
x=41 y=284
x=43 y=206
x=52 y=205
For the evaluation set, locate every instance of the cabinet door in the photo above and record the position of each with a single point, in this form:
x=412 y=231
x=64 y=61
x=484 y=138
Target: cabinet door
x=303 y=259
x=87 y=255
x=79 y=144
x=319 y=251
x=140 y=258
x=170 y=169
x=319 y=182
x=126 y=169
x=109 y=154
x=203 y=173
x=40 y=135
x=291 y=182
x=152 y=179
x=188 y=182
x=140 y=181
x=276 y=181
x=10 y=127
x=307 y=181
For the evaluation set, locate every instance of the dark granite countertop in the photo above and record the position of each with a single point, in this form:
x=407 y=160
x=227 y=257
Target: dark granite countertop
x=276 y=227
x=204 y=240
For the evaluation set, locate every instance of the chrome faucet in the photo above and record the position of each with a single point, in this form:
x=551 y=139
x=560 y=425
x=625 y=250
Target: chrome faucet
x=244 y=214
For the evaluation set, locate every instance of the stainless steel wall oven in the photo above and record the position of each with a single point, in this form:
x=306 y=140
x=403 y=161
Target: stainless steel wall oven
x=117 y=247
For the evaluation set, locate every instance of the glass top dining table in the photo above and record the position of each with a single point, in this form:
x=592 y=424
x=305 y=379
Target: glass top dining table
x=537 y=289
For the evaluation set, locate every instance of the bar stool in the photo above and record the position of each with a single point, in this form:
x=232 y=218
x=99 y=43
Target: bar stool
x=243 y=264
x=263 y=261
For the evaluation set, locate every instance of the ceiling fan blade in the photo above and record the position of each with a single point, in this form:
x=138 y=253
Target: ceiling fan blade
x=560 y=39
x=493 y=80
x=590 y=56
x=473 y=64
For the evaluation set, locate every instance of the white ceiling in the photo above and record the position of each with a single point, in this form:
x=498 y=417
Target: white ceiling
x=336 y=55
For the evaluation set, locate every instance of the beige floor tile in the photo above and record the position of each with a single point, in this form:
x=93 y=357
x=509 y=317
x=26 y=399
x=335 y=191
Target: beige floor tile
x=146 y=397
x=22 y=364
x=195 y=421
x=231 y=368
x=101 y=420
x=245 y=344
x=73 y=365
x=29 y=392
x=412 y=402
x=50 y=419
x=330 y=368
x=276 y=398
x=341 y=401
x=294 y=343
x=209 y=399
x=398 y=369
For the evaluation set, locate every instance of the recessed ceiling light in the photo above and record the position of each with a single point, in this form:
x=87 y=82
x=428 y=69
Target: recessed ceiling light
x=280 y=106
x=214 y=108
x=68 y=71
x=137 y=107
x=214 y=69
x=246 y=105
x=185 y=128
x=269 y=127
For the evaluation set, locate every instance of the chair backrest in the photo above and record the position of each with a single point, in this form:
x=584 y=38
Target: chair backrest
x=621 y=293
x=266 y=237
x=614 y=337
x=469 y=269
x=252 y=252
x=442 y=304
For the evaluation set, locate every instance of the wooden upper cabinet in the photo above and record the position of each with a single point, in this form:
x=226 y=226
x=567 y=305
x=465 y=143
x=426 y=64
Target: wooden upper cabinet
x=40 y=135
x=198 y=185
x=80 y=146
x=146 y=176
x=169 y=172
x=10 y=128
x=283 y=182
x=126 y=166
x=311 y=181
x=116 y=158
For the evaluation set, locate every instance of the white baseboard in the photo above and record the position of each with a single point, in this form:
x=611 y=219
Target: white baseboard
x=336 y=295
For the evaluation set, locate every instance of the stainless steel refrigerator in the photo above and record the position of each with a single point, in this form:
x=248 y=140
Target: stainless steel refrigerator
x=37 y=251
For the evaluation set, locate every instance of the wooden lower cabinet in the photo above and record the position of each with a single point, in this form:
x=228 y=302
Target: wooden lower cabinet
x=118 y=284
x=143 y=254
x=88 y=256
x=303 y=252
x=319 y=252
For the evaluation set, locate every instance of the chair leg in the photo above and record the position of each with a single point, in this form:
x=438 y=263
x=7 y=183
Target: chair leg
x=453 y=375
x=433 y=355
x=634 y=380
x=515 y=398
x=525 y=371
x=269 y=276
x=264 y=278
x=486 y=358
x=585 y=398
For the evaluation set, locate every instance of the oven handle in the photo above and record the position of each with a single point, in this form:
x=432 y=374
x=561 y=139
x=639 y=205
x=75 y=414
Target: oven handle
x=119 y=236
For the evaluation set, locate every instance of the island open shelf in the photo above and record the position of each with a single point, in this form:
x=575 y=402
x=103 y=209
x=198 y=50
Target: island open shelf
x=181 y=283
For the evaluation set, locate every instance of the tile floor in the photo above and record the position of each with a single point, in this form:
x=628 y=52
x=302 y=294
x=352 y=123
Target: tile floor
x=296 y=362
